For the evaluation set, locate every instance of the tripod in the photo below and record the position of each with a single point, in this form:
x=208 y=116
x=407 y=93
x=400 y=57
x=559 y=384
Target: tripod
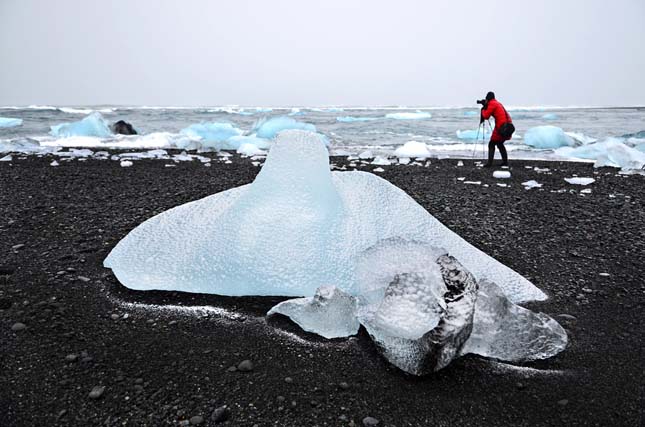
x=482 y=127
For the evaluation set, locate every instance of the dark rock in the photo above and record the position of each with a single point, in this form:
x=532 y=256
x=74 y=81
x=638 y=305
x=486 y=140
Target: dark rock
x=6 y=270
x=343 y=386
x=288 y=380
x=196 y=420
x=123 y=128
x=71 y=357
x=220 y=414
x=563 y=402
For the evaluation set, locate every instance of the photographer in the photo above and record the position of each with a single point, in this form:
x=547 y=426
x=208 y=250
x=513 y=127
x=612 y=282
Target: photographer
x=503 y=127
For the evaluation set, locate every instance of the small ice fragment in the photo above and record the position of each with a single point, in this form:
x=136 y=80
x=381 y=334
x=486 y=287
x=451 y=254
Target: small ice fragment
x=603 y=274
x=586 y=191
x=531 y=184
x=381 y=161
x=501 y=185
x=379 y=170
x=367 y=154
x=126 y=163
x=54 y=163
x=460 y=163
x=404 y=161
x=330 y=313
x=413 y=149
x=580 y=181
x=169 y=165
x=6 y=158
x=501 y=174
x=461 y=178
x=473 y=182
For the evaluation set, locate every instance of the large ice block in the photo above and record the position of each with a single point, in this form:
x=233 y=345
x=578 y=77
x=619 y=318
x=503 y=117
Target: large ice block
x=92 y=125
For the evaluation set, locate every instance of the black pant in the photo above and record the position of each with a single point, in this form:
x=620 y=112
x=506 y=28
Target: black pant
x=500 y=147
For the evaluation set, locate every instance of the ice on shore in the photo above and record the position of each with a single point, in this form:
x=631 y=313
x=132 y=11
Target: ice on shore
x=356 y=247
x=501 y=174
x=7 y=122
x=413 y=149
x=580 y=181
x=7 y=158
x=417 y=115
x=270 y=128
x=92 y=125
x=547 y=137
x=249 y=150
x=330 y=313
x=472 y=134
x=612 y=152
x=531 y=184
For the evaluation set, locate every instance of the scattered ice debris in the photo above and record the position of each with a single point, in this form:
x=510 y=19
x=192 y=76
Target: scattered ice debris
x=544 y=137
x=295 y=214
x=125 y=163
x=460 y=163
x=92 y=125
x=351 y=119
x=473 y=182
x=501 y=174
x=611 y=152
x=550 y=116
x=413 y=149
x=75 y=153
x=6 y=158
x=7 y=122
x=270 y=128
x=381 y=161
x=586 y=191
x=379 y=170
x=249 y=150
x=580 y=181
x=461 y=178
x=330 y=313
x=531 y=184
x=540 y=170
x=499 y=184
x=417 y=115
x=404 y=161
x=54 y=163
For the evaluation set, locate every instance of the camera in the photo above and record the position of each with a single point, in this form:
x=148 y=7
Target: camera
x=483 y=102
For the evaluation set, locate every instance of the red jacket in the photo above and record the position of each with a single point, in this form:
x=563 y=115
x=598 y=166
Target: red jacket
x=497 y=110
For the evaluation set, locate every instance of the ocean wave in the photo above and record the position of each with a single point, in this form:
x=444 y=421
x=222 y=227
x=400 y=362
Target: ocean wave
x=351 y=119
x=417 y=115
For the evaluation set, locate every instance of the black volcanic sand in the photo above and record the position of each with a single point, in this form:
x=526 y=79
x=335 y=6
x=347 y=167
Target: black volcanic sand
x=166 y=367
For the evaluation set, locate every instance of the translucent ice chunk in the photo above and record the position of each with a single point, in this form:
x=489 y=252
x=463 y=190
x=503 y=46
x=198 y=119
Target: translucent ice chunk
x=580 y=181
x=544 y=137
x=92 y=125
x=270 y=128
x=330 y=313
x=7 y=122
x=501 y=174
x=550 y=116
x=295 y=228
x=212 y=135
x=413 y=149
x=531 y=184
x=505 y=331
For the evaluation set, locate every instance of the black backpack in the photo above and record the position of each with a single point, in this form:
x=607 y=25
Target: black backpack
x=506 y=130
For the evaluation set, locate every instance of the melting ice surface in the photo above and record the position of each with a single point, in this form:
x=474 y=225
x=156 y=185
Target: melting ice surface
x=7 y=122
x=92 y=125
x=547 y=137
x=356 y=247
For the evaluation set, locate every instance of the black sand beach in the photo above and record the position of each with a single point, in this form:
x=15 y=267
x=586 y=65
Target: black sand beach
x=167 y=367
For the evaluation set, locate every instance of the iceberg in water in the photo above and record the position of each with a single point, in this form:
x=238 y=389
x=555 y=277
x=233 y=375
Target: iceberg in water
x=550 y=116
x=356 y=247
x=212 y=135
x=270 y=128
x=545 y=137
x=611 y=152
x=92 y=125
x=351 y=119
x=7 y=122
x=474 y=135
x=417 y=115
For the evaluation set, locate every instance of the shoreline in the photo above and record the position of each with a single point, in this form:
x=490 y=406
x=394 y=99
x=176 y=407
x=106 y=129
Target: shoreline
x=161 y=367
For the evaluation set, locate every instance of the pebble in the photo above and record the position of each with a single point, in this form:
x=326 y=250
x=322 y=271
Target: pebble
x=370 y=422
x=84 y=279
x=288 y=380
x=196 y=420
x=343 y=386
x=71 y=357
x=172 y=322
x=220 y=414
x=563 y=402
x=566 y=317
x=18 y=326
x=18 y=247
x=114 y=316
x=245 y=366
x=97 y=392
x=6 y=270
x=280 y=399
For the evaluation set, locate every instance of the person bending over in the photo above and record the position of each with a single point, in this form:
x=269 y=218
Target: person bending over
x=503 y=125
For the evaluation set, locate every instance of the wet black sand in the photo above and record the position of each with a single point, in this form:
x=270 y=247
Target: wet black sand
x=164 y=368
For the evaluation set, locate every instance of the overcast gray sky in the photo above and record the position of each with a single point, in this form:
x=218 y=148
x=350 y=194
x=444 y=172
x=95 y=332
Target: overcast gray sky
x=333 y=52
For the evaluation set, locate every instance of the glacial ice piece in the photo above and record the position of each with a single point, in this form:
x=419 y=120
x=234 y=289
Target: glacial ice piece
x=298 y=226
x=580 y=181
x=212 y=135
x=330 y=313
x=92 y=125
x=7 y=122
x=531 y=184
x=545 y=137
x=249 y=150
x=550 y=116
x=236 y=142
x=413 y=149
x=471 y=113
x=381 y=161
x=501 y=174
x=417 y=115
x=424 y=318
x=472 y=134
x=270 y=128
x=611 y=152
x=351 y=119
x=505 y=331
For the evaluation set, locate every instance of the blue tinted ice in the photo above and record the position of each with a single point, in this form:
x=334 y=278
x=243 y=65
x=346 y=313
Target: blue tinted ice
x=270 y=128
x=92 y=125
x=547 y=137
x=7 y=122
